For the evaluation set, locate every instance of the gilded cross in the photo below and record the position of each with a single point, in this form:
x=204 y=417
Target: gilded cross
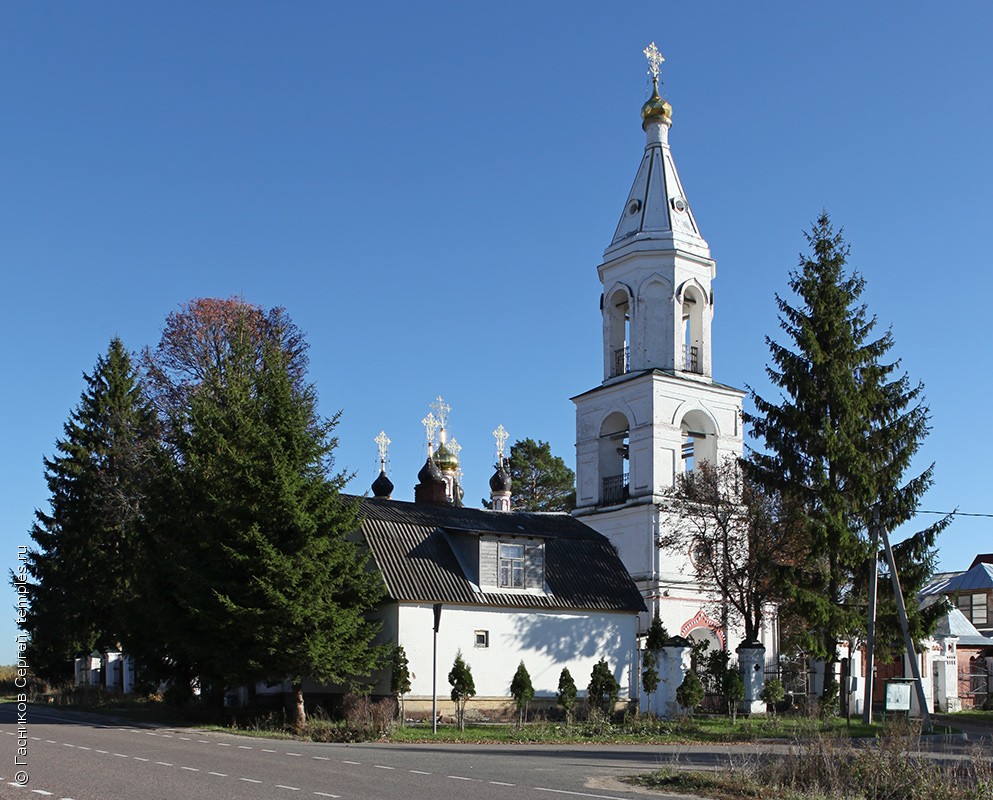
x=655 y=60
x=383 y=442
x=431 y=424
x=454 y=447
x=501 y=436
x=441 y=410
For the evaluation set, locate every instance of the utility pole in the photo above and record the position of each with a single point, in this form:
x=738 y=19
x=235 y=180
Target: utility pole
x=870 y=641
x=907 y=641
x=434 y=670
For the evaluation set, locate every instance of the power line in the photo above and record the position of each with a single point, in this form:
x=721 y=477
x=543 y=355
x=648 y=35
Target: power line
x=955 y=513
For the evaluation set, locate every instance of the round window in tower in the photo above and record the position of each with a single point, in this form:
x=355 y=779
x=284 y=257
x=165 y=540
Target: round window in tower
x=634 y=207
x=679 y=204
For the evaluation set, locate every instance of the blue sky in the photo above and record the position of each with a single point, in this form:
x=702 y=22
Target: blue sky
x=428 y=188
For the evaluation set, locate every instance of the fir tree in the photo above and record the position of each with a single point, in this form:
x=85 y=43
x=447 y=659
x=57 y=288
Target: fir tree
x=265 y=583
x=838 y=440
x=649 y=672
x=566 y=696
x=400 y=677
x=603 y=688
x=689 y=694
x=522 y=691
x=463 y=687
x=82 y=568
x=657 y=634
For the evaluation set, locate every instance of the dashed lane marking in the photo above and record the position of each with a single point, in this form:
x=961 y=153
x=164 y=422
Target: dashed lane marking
x=164 y=763
x=460 y=778
x=139 y=758
x=357 y=763
x=418 y=772
x=185 y=738
x=223 y=744
x=41 y=791
x=267 y=751
x=80 y=747
x=501 y=783
x=66 y=744
x=190 y=769
x=295 y=755
x=325 y=794
x=245 y=747
x=50 y=741
x=120 y=755
x=105 y=752
x=578 y=794
x=380 y=766
x=288 y=788
x=249 y=780
x=218 y=774
x=320 y=758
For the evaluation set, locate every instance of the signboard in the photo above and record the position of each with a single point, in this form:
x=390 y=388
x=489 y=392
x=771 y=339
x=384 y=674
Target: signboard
x=898 y=695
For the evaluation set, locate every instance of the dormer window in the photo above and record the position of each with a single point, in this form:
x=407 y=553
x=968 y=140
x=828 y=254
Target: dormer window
x=511 y=563
x=511 y=566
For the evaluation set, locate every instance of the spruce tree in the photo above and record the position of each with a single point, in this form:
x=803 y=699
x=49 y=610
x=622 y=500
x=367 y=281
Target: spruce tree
x=649 y=673
x=463 y=687
x=400 y=678
x=657 y=634
x=603 y=688
x=82 y=568
x=838 y=440
x=265 y=581
x=566 y=696
x=522 y=691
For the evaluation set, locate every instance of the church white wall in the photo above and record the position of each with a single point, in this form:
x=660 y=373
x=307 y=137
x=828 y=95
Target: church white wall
x=546 y=641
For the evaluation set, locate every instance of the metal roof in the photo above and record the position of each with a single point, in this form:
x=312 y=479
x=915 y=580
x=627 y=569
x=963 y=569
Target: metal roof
x=412 y=547
x=955 y=623
x=978 y=578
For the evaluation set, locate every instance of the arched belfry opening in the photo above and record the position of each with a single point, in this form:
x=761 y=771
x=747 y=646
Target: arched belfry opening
x=617 y=336
x=693 y=307
x=699 y=440
x=614 y=459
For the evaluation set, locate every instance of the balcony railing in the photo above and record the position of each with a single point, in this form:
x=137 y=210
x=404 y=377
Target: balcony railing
x=615 y=490
x=621 y=358
x=691 y=358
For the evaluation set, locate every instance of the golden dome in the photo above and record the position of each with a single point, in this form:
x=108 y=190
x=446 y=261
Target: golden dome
x=655 y=107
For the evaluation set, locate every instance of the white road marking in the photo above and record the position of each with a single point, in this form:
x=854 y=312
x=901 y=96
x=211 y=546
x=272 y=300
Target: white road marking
x=104 y=752
x=578 y=794
x=150 y=733
x=249 y=780
x=325 y=794
x=164 y=763
x=297 y=755
x=80 y=747
x=418 y=772
x=380 y=766
x=51 y=741
x=139 y=758
x=290 y=788
x=223 y=744
x=185 y=738
x=167 y=735
x=190 y=769
x=66 y=744
x=267 y=751
x=120 y=755
x=203 y=741
x=501 y=783
x=357 y=763
x=40 y=791
x=460 y=778
x=245 y=747
x=320 y=758
x=37 y=739
x=218 y=774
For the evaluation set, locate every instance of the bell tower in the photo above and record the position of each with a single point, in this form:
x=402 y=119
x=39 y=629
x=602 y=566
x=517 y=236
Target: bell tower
x=658 y=411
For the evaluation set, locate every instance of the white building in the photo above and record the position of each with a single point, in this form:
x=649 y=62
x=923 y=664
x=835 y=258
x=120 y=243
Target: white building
x=658 y=410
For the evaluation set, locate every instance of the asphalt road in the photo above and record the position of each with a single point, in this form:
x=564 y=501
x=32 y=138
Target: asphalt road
x=72 y=756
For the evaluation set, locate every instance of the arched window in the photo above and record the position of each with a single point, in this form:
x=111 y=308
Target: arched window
x=699 y=440
x=693 y=307
x=617 y=309
x=614 y=451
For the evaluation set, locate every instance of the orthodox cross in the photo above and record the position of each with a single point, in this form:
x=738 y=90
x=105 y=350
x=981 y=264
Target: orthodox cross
x=501 y=436
x=382 y=442
x=655 y=60
x=441 y=411
x=430 y=423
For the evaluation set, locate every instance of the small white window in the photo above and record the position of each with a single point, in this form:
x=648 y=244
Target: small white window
x=511 y=566
x=482 y=638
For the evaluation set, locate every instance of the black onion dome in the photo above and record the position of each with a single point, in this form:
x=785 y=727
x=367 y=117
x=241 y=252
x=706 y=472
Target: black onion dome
x=430 y=473
x=500 y=481
x=382 y=486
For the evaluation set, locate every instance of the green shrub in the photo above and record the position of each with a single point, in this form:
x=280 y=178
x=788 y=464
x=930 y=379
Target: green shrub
x=690 y=692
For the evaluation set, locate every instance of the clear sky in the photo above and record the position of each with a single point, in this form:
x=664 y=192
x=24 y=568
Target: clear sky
x=427 y=188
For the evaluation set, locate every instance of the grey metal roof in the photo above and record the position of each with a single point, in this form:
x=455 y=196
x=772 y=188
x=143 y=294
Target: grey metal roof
x=955 y=623
x=976 y=579
x=412 y=547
